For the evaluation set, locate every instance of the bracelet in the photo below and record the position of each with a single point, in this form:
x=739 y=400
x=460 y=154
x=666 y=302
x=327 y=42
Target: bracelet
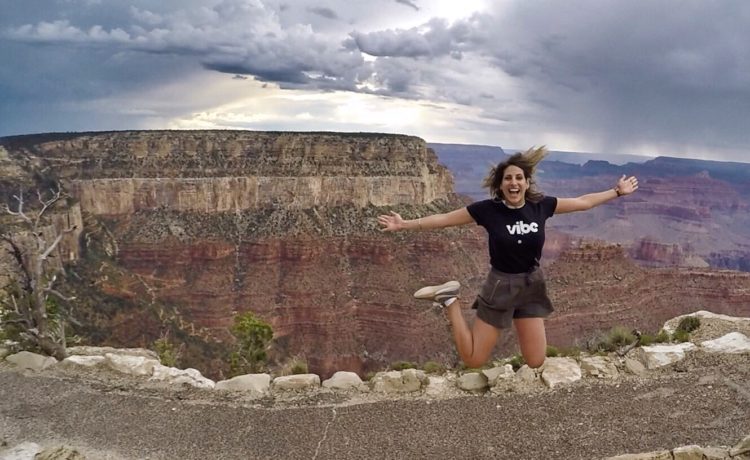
x=419 y=224
x=618 y=192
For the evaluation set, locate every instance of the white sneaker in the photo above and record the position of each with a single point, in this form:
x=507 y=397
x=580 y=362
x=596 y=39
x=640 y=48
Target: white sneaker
x=441 y=295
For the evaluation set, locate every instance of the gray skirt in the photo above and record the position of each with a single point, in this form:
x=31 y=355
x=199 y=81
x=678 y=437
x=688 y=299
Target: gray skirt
x=505 y=296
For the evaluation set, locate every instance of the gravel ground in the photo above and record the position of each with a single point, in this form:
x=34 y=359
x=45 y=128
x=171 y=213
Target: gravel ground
x=704 y=400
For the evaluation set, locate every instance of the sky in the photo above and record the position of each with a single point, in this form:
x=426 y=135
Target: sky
x=644 y=77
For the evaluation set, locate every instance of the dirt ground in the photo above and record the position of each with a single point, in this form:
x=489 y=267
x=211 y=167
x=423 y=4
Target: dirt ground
x=704 y=400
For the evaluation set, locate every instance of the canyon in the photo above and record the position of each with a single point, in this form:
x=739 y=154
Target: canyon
x=686 y=213
x=180 y=231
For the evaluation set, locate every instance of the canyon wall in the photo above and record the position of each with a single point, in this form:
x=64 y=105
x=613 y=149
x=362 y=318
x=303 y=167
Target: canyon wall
x=686 y=213
x=595 y=286
x=183 y=230
x=201 y=226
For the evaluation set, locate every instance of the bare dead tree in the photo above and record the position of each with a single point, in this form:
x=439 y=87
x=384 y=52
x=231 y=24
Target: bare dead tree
x=26 y=308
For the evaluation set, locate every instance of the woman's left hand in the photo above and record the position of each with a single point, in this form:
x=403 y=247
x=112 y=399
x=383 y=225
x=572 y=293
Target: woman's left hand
x=627 y=186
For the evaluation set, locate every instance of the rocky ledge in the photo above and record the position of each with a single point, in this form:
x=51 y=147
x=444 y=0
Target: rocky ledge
x=720 y=336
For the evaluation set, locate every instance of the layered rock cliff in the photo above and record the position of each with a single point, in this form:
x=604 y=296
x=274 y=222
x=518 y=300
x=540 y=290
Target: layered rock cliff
x=595 y=286
x=183 y=230
x=202 y=225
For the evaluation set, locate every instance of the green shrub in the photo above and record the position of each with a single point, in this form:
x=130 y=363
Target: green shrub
x=294 y=365
x=616 y=338
x=572 y=352
x=253 y=336
x=299 y=367
x=681 y=336
x=650 y=339
x=167 y=351
x=689 y=324
x=619 y=337
x=401 y=365
x=432 y=367
x=662 y=337
x=552 y=352
x=517 y=362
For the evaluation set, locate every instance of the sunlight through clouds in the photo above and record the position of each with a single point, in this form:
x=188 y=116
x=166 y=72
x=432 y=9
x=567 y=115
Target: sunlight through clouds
x=577 y=75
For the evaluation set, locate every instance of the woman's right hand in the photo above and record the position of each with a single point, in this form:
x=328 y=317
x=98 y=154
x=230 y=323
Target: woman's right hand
x=391 y=223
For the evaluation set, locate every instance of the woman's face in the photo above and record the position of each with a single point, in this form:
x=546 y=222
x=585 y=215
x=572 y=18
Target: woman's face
x=514 y=185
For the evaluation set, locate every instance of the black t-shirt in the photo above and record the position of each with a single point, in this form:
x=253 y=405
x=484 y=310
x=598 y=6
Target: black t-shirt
x=516 y=236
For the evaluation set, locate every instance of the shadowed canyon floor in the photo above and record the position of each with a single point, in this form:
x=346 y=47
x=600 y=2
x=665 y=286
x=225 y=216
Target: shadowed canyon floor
x=703 y=400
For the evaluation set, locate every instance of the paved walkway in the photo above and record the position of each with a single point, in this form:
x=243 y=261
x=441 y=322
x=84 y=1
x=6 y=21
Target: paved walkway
x=707 y=405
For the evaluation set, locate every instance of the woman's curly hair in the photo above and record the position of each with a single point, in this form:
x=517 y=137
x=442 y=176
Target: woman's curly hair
x=528 y=162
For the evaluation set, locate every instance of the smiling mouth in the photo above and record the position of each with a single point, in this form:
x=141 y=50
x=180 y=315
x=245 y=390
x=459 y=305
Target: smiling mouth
x=514 y=192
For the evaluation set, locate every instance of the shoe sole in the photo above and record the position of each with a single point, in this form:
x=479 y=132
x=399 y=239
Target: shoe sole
x=433 y=292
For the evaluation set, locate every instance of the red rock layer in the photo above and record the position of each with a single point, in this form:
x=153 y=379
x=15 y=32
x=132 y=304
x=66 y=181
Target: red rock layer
x=340 y=303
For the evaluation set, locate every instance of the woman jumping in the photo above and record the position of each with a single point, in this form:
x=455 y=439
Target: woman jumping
x=515 y=290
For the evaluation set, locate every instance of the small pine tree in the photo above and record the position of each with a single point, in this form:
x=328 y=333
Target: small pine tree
x=253 y=336
x=167 y=351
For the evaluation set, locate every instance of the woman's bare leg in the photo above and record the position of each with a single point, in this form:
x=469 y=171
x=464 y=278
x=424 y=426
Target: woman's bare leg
x=532 y=339
x=474 y=345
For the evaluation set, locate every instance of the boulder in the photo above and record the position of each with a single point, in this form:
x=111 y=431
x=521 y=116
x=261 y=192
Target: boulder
x=31 y=361
x=671 y=325
x=734 y=342
x=438 y=386
x=526 y=374
x=404 y=381
x=656 y=356
x=635 y=367
x=472 y=381
x=258 y=384
x=498 y=373
x=598 y=366
x=176 y=376
x=559 y=371
x=688 y=453
x=343 y=380
x=82 y=361
x=296 y=382
x=132 y=365
x=59 y=453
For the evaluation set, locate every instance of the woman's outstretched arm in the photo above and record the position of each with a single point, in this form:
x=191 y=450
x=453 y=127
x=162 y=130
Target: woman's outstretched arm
x=624 y=187
x=394 y=222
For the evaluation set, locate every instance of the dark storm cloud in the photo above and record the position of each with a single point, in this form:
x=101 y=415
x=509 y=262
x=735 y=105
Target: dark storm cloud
x=620 y=73
x=612 y=72
x=324 y=12
x=435 y=38
x=631 y=72
x=408 y=3
x=234 y=36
